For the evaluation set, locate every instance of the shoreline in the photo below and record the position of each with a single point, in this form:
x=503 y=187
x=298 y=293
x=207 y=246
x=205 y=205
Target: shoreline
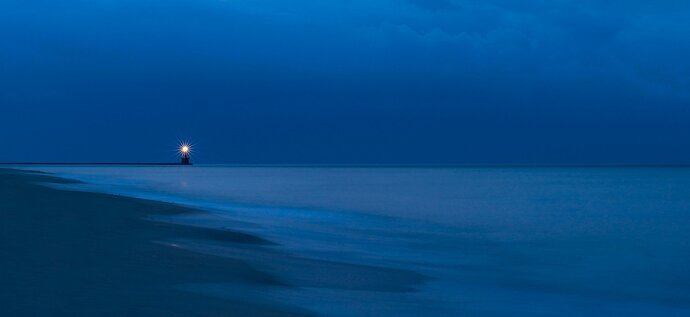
x=92 y=246
x=67 y=252
x=80 y=253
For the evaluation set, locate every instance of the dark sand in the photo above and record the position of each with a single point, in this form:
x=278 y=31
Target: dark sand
x=68 y=253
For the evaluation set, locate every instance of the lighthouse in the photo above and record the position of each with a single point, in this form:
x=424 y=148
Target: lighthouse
x=185 y=152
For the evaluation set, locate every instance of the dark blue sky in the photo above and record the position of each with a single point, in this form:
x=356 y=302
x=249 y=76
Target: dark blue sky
x=356 y=81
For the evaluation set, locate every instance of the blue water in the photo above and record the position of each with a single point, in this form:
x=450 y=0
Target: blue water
x=493 y=241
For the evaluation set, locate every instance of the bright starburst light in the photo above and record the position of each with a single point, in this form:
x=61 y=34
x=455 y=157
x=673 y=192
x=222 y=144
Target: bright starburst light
x=185 y=149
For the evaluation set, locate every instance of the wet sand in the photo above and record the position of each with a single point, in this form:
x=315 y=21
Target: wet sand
x=73 y=253
x=66 y=253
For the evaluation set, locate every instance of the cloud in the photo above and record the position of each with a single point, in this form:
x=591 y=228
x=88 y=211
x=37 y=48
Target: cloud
x=623 y=42
x=434 y=4
x=447 y=68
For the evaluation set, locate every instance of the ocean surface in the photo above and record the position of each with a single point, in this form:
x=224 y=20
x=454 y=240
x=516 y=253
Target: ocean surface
x=489 y=241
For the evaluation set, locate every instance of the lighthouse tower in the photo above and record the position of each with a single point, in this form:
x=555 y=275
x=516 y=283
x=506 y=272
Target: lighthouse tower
x=185 y=152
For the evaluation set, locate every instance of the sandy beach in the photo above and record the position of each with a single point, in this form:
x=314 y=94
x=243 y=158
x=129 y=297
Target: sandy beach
x=74 y=253
x=83 y=254
x=153 y=241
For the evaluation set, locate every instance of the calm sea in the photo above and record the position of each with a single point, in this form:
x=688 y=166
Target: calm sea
x=493 y=241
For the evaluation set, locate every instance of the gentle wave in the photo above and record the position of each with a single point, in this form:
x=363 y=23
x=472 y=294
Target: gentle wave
x=491 y=242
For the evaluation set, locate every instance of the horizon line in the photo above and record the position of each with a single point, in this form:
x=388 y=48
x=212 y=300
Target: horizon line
x=364 y=164
x=90 y=163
